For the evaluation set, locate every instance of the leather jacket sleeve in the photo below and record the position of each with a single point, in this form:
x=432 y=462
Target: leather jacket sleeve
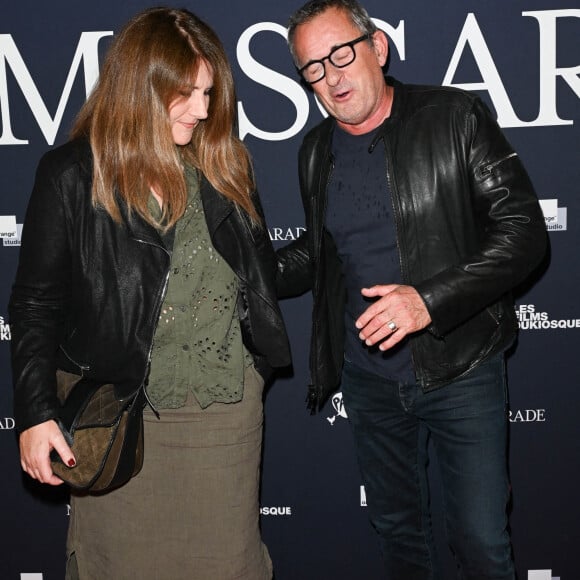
x=511 y=229
x=38 y=302
x=294 y=276
x=296 y=261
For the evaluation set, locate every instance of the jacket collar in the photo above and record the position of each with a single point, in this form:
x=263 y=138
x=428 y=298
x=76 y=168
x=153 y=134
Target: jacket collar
x=137 y=227
x=396 y=107
x=215 y=206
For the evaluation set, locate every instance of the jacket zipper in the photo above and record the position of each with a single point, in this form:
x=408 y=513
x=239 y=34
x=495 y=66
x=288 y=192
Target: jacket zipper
x=83 y=368
x=396 y=211
x=313 y=399
x=395 y=202
x=155 y=323
x=322 y=217
x=487 y=169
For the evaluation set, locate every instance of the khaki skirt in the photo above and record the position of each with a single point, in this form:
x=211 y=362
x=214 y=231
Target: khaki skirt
x=193 y=510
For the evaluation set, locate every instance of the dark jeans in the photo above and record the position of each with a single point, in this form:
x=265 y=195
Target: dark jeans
x=467 y=421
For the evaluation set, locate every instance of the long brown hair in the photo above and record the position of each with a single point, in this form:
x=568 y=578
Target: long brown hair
x=127 y=122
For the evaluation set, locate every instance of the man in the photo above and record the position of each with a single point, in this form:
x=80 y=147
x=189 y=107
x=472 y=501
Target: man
x=420 y=221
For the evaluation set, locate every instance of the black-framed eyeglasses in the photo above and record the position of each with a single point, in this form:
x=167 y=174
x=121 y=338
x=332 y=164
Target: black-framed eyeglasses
x=339 y=57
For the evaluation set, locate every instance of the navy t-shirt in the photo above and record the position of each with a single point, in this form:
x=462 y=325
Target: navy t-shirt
x=359 y=216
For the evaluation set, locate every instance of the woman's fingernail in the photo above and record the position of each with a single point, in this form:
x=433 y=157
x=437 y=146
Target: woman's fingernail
x=71 y=462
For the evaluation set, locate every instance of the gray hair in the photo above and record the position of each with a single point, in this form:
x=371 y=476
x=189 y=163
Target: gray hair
x=357 y=14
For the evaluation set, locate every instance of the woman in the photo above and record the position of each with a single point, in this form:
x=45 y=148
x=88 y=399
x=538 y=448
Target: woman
x=144 y=259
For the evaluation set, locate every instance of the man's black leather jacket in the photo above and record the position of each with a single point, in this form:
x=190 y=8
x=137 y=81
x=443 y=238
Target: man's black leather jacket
x=88 y=290
x=469 y=229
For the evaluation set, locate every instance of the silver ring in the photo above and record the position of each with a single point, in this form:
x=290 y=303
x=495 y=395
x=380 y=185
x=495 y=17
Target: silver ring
x=392 y=326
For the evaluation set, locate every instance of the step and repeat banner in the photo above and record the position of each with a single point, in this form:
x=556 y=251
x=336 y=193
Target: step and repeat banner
x=523 y=59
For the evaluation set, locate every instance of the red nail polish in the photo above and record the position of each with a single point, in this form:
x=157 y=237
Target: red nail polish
x=71 y=462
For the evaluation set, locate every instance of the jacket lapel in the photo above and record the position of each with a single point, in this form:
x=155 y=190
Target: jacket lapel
x=138 y=228
x=215 y=206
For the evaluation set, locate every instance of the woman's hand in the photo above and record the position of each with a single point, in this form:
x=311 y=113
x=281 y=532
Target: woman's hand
x=36 y=443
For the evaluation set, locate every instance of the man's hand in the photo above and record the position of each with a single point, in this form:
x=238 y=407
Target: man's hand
x=399 y=311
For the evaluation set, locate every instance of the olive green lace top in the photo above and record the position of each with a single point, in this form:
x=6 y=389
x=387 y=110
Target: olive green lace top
x=198 y=343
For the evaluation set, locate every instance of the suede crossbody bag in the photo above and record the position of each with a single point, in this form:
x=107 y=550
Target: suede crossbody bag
x=105 y=433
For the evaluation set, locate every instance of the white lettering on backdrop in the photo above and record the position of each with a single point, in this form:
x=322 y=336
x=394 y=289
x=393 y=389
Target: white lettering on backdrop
x=86 y=57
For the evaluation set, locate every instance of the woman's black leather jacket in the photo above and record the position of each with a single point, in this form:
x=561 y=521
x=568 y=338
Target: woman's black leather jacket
x=469 y=229
x=88 y=290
